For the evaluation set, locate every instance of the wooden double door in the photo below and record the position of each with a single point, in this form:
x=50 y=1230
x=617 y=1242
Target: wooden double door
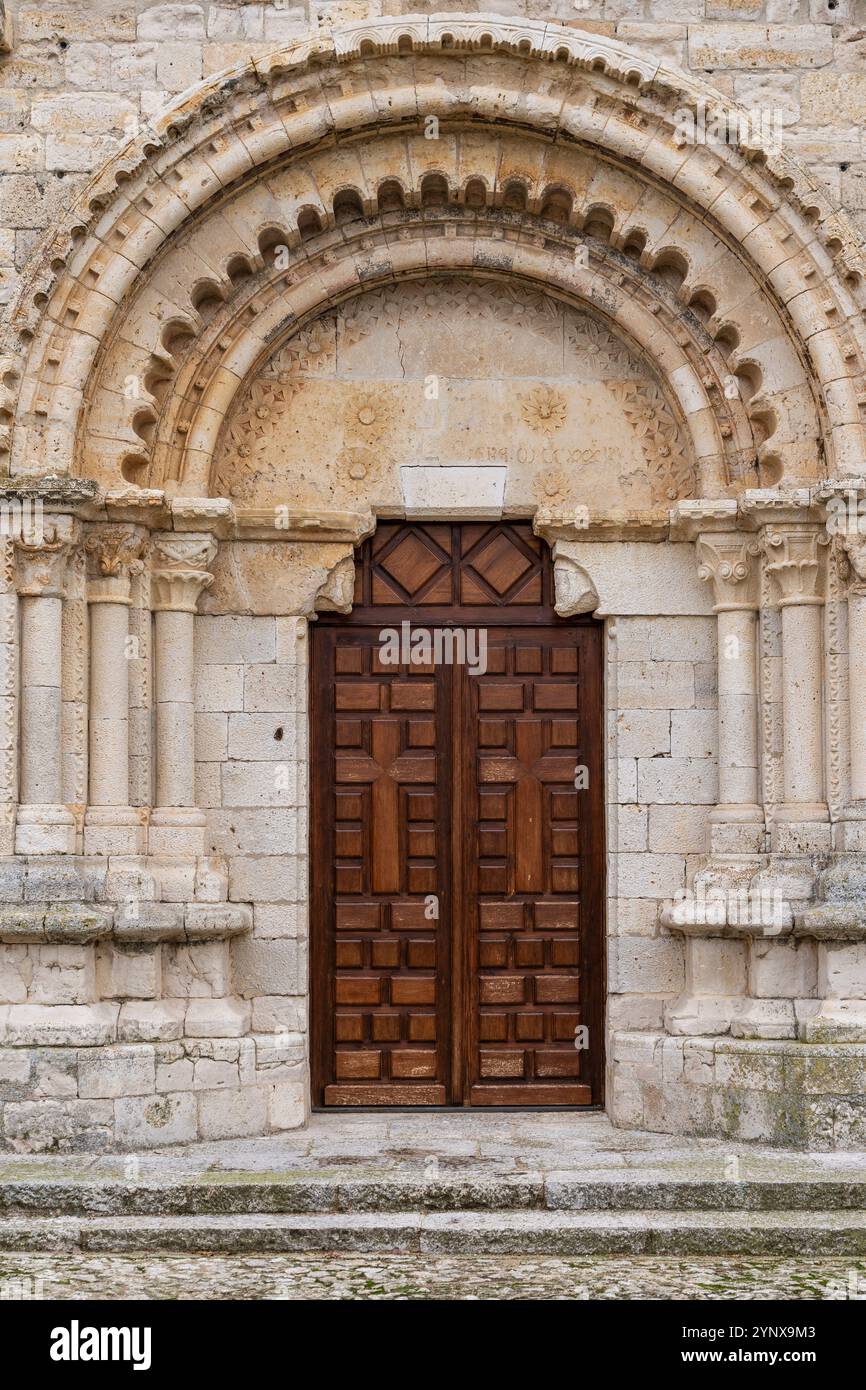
x=457 y=855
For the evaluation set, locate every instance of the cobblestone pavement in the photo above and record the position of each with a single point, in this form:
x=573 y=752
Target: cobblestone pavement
x=395 y=1277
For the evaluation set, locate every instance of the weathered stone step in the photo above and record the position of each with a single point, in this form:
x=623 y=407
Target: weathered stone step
x=244 y=1195
x=818 y=1233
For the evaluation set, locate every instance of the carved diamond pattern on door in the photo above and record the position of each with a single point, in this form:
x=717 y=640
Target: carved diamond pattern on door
x=457 y=874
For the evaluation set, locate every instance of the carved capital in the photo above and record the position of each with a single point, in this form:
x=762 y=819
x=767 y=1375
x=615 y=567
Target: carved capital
x=796 y=563
x=851 y=554
x=181 y=571
x=728 y=561
x=574 y=590
x=115 y=556
x=40 y=565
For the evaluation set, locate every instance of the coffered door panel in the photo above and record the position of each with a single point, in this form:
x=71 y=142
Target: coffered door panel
x=530 y=871
x=382 y=820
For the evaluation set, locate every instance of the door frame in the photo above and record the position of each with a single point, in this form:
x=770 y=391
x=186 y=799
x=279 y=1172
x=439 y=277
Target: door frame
x=321 y=1001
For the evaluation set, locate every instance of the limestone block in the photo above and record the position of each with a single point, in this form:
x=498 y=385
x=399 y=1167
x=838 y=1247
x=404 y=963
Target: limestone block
x=173 y=1072
x=833 y=98
x=635 y=1011
x=757 y=46
x=267 y=967
x=217 y=1018
x=694 y=733
x=211 y=737
x=261 y=831
x=172 y=22
x=627 y=828
x=625 y=781
x=632 y=916
x=639 y=578
x=842 y=970
x=15 y=972
x=292 y=641
x=117 y=1071
x=60 y=1025
x=269 y=737
x=677 y=781
x=783 y=969
x=128 y=971
x=656 y=685
x=643 y=733
x=273 y=1013
x=147 y=1122
x=232 y=1114
x=212 y=1075
x=274 y=688
x=639 y=966
x=174 y=874
x=199 y=970
x=219 y=687
x=251 y=784
x=219 y=641
x=267 y=878
x=58 y=1125
x=62 y=975
x=158 y=1020
x=678 y=829
x=288 y=1107
x=55 y=1073
x=178 y=66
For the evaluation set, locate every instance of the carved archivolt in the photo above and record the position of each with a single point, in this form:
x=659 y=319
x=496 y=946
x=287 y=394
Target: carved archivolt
x=182 y=267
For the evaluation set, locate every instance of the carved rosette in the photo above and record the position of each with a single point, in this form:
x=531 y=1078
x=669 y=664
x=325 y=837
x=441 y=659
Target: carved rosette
x=728 y=563
x=796 y=565
x=181 y=571
x=116 y=555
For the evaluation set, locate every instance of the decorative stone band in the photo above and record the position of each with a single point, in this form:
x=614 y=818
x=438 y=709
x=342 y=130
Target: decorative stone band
x=82 y=923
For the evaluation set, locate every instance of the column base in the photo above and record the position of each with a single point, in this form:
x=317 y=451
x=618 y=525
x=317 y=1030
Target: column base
x=176 y=830
x=115 y=830
x=800 y=829
x=765 y=1019
x=851 y=828
x=46 y=828
x=834 y=1021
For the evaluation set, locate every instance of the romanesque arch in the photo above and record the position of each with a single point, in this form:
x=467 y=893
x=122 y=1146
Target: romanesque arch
x=464 y=161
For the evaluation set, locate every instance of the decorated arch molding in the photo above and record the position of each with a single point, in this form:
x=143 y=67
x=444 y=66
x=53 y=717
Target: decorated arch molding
x=282 y=188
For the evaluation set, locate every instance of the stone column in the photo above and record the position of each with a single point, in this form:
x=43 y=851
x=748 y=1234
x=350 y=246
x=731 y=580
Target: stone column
x=44 y=824
x=180 y=573
x=796 y=565
x=854 y=548
x=728 y=561
x=111 y=825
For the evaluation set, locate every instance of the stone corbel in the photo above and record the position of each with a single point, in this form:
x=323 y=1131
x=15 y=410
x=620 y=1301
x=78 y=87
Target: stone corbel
x=336 y=593
x=575 y=591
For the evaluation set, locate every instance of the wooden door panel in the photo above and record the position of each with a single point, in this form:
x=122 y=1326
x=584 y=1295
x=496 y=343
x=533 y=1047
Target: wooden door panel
x=383 y=799
x=439 y=786
x=525 y=885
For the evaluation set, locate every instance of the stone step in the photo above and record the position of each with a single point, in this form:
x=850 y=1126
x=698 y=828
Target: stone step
x=250 y=1195
x=705 y=1233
